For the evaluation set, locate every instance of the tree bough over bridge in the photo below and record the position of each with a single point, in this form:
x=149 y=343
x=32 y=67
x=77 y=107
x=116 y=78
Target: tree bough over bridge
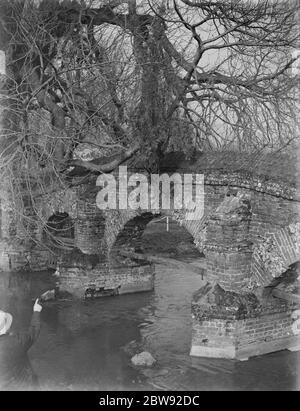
x=249 y=234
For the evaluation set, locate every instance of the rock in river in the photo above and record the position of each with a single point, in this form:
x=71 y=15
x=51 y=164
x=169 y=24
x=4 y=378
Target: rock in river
x=144 y=359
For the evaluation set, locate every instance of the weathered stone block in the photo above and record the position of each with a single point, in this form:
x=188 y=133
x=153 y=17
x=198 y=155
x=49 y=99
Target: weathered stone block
x=246 y=326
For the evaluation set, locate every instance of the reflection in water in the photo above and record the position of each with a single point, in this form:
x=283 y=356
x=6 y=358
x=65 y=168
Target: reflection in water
x=81 y=345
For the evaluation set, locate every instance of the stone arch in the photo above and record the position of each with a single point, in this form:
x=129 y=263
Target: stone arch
x=133 y=223
x=55 y=203
x=275 y=253
x=127 y=263
x=126 y=241
x=115 y=221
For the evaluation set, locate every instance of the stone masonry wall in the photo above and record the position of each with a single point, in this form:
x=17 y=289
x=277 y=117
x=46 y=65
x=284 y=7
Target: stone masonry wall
x=89 y=228
x=77 y=280
x=231 y=326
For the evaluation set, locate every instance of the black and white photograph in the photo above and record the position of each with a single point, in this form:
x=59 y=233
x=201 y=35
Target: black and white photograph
x=149 y=198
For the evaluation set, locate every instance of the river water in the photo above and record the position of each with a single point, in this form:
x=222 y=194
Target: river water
x=87 y=345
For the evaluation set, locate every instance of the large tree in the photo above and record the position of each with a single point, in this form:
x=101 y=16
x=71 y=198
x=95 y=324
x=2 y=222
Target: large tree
x=134 y=78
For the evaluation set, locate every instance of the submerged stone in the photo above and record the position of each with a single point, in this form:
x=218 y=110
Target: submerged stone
x=144 y=359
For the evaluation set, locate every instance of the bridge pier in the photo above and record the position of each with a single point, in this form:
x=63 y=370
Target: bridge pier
x=238 y=326
x=231 y=317
x=85 y=275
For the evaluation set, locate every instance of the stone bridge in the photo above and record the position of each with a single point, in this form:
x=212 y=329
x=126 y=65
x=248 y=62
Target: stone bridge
x=249 y=234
